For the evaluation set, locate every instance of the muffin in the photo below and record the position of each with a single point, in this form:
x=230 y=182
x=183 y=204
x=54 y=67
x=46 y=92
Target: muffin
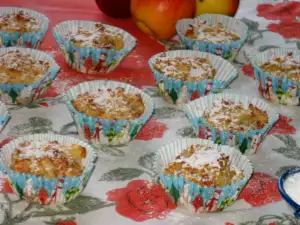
x=4 y=115
x=277 y=73
x=92 y=47
x=22 y=27
x=25 y=74
x=218 y=34
x=202 y=176
x=184 y=75
x=108 y=112
x=230 y=119
x=46 y=168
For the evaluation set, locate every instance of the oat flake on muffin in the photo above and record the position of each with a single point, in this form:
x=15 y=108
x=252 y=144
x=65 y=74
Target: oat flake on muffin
x=185 y=68
x=111 y=104
x=19 y=22
x=205 y=166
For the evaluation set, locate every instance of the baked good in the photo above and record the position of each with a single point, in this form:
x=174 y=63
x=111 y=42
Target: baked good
x=48 y=159
x=110 y=104
x=215 y=34
x=21 y=68
x=287 y=66
x=19 y=22
x=205 y=166
x=185 y=68
x=226 y=115
x=100 y=37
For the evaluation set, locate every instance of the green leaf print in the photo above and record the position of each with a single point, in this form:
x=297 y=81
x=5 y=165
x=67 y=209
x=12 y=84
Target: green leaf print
x=134 y=131
x=111 y=134
x=173 y=95
x=244 y=146
x=147 y=161
x=174 y=193
x=291 y=149
x=121 y=174
x=13 y=94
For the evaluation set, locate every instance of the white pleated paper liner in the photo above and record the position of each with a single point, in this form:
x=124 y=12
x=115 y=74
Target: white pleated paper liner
x=99 y=132
x=4 y=115
x=227 y=51
x=90 y=60
x=248 y=141
x=27 y=93
x=39 y=190
x=24 y=39
x=276 y=89
x=179 y=92
x=192 y=196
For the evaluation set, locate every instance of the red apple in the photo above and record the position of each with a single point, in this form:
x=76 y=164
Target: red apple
x=158 y=17
x=115 y=8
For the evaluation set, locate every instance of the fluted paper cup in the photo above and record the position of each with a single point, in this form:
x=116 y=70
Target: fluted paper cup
x=276 y=89
x=24 y=39
x=85 y=60
x=179 y=92
x=247 y=141
x=4 y=115
x=192 y=196
x=27 y=93
x=227 y=51
x=99 y=132
x=39 y=190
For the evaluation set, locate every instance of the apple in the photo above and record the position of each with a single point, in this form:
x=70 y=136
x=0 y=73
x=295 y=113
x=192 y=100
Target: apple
x=115 y=8
x=225 y=7
x=158 y=18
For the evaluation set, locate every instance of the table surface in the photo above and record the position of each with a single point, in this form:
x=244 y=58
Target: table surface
x=271 y=24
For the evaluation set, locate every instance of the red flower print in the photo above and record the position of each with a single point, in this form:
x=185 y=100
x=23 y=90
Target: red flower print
x=66 y=223
x=152 y=129
x=283 y=126
x=248 y=71
x=284 y=11
x=261 y=190
x=286 y=29
x=141 y=201
x=272 y=223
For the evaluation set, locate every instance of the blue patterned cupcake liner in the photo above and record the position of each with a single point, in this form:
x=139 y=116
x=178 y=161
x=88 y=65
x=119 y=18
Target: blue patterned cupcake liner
x=227 y=51
x=24 y=39
x=27 y=93
x=276 y=89
x=39 y=190
x=100 y=132
x=90 y=60
x=4 y=115
x=247 y=142
x=179 y=92
x=192 y=196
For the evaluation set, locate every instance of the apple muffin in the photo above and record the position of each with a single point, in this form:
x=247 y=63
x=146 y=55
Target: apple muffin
x=226 y=115
x=205 y=166
x=100 y=37
x=110 y=104
x=48 y=159
x=214 y=34
x=19 y=22
x=185 y=68
x=287 y=66
x=21 y=68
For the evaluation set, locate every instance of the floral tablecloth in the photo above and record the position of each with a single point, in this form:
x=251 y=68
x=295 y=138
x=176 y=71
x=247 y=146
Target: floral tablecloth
x=120 y=191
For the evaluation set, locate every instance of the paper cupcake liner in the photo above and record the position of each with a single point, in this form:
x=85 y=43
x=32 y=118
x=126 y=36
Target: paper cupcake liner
x=248 y=141
x=25 y=39
x=90 y=60
x=98 y=131
x=192 y=196
x=227 y=51
x=4 y=115
x=36 y=189
x=276 y=89
x=27 y=93
x=179 y=92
